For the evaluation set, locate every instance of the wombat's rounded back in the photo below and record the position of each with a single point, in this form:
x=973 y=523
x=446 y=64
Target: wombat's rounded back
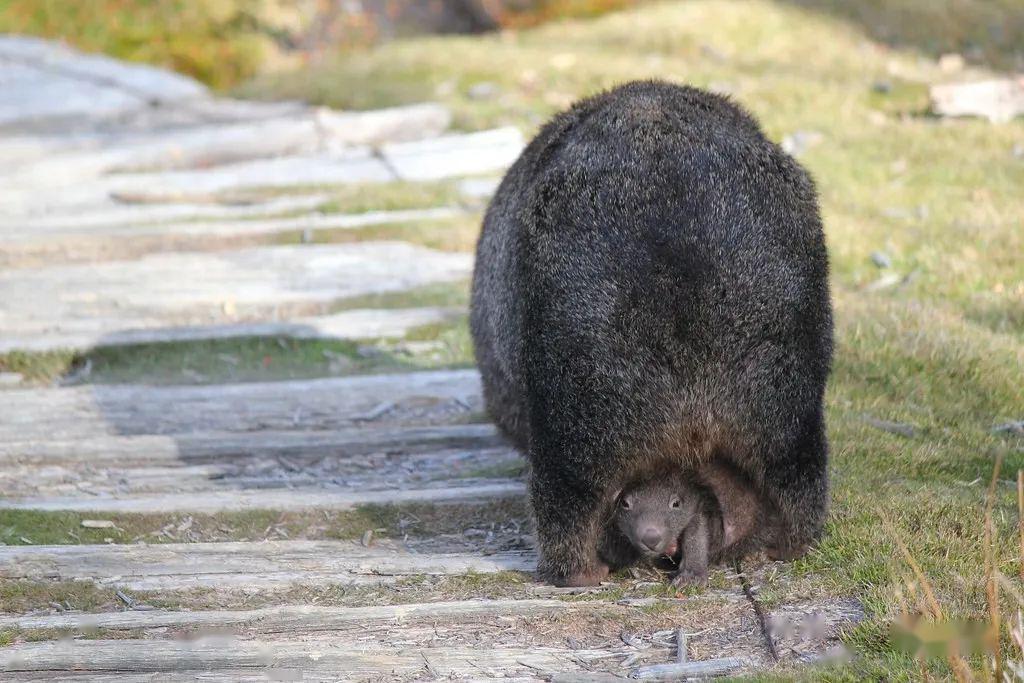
x=651 y=271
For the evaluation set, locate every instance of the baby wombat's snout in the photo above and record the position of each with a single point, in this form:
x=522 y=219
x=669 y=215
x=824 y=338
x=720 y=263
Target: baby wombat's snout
x=653 y=516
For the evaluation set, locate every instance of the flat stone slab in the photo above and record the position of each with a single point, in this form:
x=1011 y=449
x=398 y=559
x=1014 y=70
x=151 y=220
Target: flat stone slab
x=68 y=305
x=50 y=159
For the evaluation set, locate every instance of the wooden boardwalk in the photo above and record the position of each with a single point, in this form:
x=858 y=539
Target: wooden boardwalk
x=398 y=546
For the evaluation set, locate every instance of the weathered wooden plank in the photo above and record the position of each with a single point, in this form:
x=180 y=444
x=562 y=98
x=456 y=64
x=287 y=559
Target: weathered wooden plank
x=453 y=155
x=259 y=498
x=286 y=618
x=28 y=94
x=46 y=79
x=445 y=157
x=45 y=306
x=226 y=447
x=356 y=165
x=30 y=233
x=213 y=144
x=112 y=213
x=380 y=126
x=450 y=156
x=350 y=660
x=310 y=132
x=150 y=84
x=355 y=324
x=178 y=148
x=269 y=564
x=91 y=411
x=256 y=480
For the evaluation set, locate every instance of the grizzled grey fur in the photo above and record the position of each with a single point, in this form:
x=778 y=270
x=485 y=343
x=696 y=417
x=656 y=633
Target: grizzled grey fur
x=651 y=292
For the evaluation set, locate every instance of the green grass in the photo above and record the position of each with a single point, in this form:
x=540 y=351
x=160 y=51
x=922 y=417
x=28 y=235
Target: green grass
x=942 y=349
x=397 y=196
x=18 y=527
x=25 y=596
x=458 y=233
x=452 y=295
x=254 y=359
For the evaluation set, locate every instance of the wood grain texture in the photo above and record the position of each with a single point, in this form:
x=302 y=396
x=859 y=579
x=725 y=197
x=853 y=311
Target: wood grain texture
x=242 y=565
x=415 y=399
x=53 y=306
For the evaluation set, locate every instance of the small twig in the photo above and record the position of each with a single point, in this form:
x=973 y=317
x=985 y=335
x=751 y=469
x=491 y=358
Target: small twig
x=529 y=666
x=430 y=667
x=1011 y=427
x=376 y=412
x=898 y=428
x=1020 y=519
x=128 y=600
x=961 y=671
x=682 y=655
x=761 y=619
x=991 y=562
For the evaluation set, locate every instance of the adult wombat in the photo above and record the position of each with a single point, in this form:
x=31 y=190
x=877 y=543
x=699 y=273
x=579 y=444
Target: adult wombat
x=651 y=292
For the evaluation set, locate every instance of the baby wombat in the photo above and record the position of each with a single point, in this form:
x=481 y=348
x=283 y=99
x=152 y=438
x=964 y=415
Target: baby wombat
x=700 y=517
x=651 y=292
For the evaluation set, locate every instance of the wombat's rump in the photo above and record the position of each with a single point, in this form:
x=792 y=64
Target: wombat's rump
x=651 y=290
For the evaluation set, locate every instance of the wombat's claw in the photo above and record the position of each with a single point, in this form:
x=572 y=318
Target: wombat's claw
x=686 y=577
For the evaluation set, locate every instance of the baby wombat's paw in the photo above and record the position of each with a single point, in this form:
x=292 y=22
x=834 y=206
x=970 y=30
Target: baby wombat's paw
x=786 y=552
x=591 y=576
x=689 y=577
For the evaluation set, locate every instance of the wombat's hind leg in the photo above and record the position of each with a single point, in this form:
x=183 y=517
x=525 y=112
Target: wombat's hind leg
x=568 y=526
x=799 y=481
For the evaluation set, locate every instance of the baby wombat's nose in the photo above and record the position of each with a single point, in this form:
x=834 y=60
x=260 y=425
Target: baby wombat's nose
x=651 y=538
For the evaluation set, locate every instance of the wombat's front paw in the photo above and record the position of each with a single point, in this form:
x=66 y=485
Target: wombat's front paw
x=592 y=576
x=689 y=577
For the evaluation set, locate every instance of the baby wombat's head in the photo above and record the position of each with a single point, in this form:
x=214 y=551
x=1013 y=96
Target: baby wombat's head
x=652 y=514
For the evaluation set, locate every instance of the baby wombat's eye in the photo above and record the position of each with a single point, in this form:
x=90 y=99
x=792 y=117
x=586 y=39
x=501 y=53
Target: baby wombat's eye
x=624 y=502
x=676 y=503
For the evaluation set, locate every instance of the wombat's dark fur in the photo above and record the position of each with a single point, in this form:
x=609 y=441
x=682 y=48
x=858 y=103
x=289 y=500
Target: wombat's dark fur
x=651 y=290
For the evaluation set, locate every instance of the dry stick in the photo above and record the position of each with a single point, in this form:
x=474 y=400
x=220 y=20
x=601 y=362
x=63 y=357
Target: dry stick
x=761 y=620
x=991 y=588
x=992 y=598
x=961 y=671
x=901 y=600
x=1020 y=520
